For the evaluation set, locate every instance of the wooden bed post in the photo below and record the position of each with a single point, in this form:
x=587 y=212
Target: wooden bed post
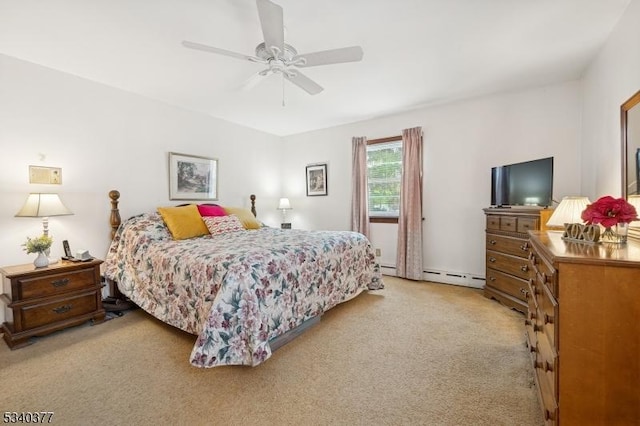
x=114 y=219
x=253 y=205
x=116 y=301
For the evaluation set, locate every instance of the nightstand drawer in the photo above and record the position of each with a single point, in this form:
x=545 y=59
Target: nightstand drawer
x=49 y=312
x=56 y=283
x=38 y=301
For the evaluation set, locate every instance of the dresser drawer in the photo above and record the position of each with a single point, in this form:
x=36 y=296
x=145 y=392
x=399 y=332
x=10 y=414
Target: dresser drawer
x=511 y=245
x=547 y=366
x=509 y=224
x=493 y=222
x=512 y=223
x=36 y=315
x=548 y=311
x=532 y=315
x=56 y=283
x=509 y=284
x=543 y=272
x=550 y=406
x=526 y=224
x=507 y=263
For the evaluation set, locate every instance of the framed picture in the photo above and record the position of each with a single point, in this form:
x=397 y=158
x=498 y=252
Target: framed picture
x=192 y=177
x=317 y=179
x=49 y=175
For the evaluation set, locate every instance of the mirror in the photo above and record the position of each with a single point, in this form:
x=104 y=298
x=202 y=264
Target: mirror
x=630 y=129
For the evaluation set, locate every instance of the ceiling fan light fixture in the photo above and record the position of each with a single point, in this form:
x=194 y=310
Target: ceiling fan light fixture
x=280 y=57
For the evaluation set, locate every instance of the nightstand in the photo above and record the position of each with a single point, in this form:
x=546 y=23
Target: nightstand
x=39 y=301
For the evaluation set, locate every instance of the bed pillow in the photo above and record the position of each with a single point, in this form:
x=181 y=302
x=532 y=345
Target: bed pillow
x=183 y=222
x=223 y=224
x=211 y=210
x=247 y=218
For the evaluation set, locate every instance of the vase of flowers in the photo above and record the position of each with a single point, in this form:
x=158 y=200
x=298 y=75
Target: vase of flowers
x=39 y=245
x=614 y=214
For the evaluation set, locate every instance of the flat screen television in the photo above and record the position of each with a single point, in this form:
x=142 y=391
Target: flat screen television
x=523 y=184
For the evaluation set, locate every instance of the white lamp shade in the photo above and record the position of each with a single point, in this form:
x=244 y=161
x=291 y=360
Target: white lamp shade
x=43 y=205
x=284 y=204
x=568 y=211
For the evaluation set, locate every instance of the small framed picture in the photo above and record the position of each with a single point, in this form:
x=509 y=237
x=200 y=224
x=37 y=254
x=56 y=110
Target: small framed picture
x=48 y=175
x=317 y=180
x=192 y=177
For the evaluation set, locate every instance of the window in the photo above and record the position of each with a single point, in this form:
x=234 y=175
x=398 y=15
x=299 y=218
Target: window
x=384 y=172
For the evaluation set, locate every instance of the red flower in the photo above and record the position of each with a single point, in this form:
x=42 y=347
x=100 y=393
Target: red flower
x=609 y=211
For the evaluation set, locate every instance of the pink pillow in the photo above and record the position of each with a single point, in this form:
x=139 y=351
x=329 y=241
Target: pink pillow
x=223 y=224
x=211 y=210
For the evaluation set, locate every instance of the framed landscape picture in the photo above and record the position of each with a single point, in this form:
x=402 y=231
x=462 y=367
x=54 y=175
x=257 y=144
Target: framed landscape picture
x=192 y=177
x=317 y=179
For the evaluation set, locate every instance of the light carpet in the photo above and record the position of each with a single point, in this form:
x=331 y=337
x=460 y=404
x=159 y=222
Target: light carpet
x=415 y=353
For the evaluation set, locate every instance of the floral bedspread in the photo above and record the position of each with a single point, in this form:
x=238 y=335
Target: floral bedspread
x=238 y=290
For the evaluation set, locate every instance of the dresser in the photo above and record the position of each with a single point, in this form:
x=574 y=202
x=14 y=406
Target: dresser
x=583 y=330
x=507 y=253
x=38 y=301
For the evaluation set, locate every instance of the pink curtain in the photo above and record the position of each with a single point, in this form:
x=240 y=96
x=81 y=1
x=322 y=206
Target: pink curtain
x=409 y=260
x=360 y=198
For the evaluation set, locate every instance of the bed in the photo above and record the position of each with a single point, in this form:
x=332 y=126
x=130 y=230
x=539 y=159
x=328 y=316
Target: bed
x=243 y=293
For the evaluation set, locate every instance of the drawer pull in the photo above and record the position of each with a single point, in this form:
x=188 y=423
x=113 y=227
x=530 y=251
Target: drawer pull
x=492 y=242
x=62 y=309
x=524 y=268
x=492 y=279
x=537 y=328
x=60 y=283
x=533 y=349
x=548 y=367
x=548 y=319
x=525 y=246
x=492 y=259
x=532 y=315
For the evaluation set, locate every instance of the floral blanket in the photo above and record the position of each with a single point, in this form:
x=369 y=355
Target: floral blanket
x=238 y=290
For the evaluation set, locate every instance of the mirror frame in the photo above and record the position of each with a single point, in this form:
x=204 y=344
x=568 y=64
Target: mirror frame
x=630 y=103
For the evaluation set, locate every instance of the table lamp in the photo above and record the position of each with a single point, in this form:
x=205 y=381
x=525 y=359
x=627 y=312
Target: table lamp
x=568 y=211
x=284 y=205
x=43 y=205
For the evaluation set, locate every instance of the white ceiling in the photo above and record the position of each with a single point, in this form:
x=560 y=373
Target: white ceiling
x=416 y=52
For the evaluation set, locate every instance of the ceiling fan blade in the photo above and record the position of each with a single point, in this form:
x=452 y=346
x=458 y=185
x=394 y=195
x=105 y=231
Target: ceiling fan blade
x=304 y=82
x=254 y=80
x=334 y=56
x=272 y=24
x=206 y=48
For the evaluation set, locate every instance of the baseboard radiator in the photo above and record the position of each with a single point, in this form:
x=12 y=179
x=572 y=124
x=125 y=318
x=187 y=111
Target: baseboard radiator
x=446 y=277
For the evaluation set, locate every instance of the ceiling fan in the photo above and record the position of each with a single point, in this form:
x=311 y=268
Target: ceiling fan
x=282 y=58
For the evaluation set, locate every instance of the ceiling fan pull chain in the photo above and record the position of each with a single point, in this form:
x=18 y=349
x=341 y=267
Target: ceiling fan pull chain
x=283 y=105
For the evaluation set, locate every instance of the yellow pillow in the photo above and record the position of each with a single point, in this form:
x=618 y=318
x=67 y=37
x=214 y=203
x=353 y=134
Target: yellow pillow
x=247 y=218
x=184 y=221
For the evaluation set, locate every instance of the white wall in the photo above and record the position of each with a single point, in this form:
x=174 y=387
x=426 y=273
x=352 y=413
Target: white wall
x=463 y=140
x=612 y=78
x=105 y=139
